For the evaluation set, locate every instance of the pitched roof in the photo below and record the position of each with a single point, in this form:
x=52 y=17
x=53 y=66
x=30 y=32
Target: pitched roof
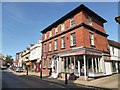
x=73 y=12
x=114 y=43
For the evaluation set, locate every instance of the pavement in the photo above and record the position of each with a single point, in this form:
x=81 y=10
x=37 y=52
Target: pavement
x=108 y=82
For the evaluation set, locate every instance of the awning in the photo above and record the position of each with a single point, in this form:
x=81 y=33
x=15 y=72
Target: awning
x=28 y=63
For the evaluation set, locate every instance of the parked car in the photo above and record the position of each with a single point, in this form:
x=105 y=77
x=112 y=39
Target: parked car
x=19 y=69
x=3 y=67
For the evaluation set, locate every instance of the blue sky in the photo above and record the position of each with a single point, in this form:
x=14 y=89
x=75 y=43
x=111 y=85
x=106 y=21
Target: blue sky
x=22 y=22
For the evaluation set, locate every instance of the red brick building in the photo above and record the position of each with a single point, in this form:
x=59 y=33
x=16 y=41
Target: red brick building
x=76 y=43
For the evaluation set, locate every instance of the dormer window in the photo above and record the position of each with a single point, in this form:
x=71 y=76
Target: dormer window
x=89 y=20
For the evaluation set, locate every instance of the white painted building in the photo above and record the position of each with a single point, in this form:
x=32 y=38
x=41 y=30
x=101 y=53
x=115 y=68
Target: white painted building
x=35 y=54
x=113 y=66
x=2 y=60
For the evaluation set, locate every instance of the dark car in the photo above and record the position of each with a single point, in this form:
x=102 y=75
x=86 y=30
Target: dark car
x=3 y=67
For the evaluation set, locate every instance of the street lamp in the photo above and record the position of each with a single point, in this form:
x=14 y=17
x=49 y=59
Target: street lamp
x=40 y=69
x=117 y=19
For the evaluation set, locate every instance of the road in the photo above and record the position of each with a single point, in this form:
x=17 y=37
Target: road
x=12 y=81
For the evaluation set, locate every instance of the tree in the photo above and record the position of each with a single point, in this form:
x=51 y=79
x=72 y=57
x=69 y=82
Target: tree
x=9 y=60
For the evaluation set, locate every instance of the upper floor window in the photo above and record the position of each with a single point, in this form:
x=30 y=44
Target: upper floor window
x=113 y=50
x=72 y=39
x=89 y=20
x=63 y=42
x=56 y=45
x=50 y=46
x=50 y=33
x=44 y=47
x=45 y=36
x=72 y=21
x=56 y=30
x=92 y=39
x=62 y=27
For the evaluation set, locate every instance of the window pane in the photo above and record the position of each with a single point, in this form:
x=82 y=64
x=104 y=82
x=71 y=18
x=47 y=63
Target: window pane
x=91 y=39
x=44 y=47
x=62 y=42
x=50 y=46
x=62 y=26
x=44 y=62
x=45 y=36
x=56 y=45
x=50 y=33
x=73 y=39
x=89 y=20
x=72 y=21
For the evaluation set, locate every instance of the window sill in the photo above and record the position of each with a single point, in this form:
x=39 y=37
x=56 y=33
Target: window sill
x=73 y=45
x=92 y=45
x=44 y=67
x=55 y=50
x=62 y=48
x=49 y=51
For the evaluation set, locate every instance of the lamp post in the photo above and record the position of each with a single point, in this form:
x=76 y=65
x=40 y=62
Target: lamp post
x=66 y=82
x=40 y=65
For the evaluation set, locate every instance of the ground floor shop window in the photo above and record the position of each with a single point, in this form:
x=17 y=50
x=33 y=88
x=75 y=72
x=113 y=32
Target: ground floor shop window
x=44 y=63
x=114 y=66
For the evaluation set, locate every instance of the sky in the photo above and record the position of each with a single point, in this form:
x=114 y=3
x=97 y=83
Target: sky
x=22 y=22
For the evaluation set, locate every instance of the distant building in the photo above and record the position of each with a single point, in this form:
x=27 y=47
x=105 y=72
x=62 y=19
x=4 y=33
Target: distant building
x=26 y=58
x=19 y=58
x=76 y=43
x=2 y=59
x=15 y=63
x=35 y=55
x=114 y=63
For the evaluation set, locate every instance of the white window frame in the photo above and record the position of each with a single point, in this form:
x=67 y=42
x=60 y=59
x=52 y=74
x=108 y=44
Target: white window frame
x=89 y=20
x=62 y=26
x=72 y=21
x=92 y=42
x=50 y=33
x=50 y=46
x=63 y=42
x=56 y=45
x=72 y=38
x=45 y=36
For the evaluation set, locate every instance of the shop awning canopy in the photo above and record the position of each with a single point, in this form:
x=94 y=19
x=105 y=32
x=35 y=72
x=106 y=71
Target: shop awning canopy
x=28 y=63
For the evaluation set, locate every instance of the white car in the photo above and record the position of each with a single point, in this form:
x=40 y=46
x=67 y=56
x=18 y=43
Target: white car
x=19 y=69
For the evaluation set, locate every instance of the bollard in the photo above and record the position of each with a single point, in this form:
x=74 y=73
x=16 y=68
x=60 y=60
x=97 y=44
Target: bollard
x=27 y=72
x=41 y=74
x=66 y=78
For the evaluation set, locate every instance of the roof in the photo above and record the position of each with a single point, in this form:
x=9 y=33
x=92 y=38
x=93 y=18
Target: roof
x=117 y=19
x=71 y=13
x=114 y=43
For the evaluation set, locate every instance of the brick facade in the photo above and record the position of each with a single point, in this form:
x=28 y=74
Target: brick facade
x=81 y=28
